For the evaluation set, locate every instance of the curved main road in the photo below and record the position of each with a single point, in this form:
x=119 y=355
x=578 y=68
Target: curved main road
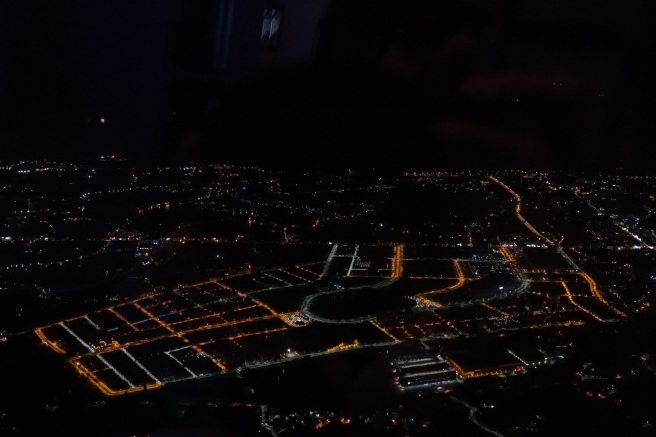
x=307 y=302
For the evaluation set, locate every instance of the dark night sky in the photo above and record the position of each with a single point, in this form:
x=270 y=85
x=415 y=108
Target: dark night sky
x=66 y=64
x=410 y=83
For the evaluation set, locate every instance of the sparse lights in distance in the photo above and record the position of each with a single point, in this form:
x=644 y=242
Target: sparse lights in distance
x=102 y=120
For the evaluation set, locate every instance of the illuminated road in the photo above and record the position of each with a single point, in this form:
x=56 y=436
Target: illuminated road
x=331 y=255
x=170 y=355
x=523 y=286
x=317 y=354
x=571 y=299
x=618 y=224
x=141 y=366
x=593 y=286
x=82 y=342
x=518 y=209
x=472 y=416
x=357 y=246
x=397 y=262
x=595 y=292
x=180 y=335
x=307 y=302
x=421 y=297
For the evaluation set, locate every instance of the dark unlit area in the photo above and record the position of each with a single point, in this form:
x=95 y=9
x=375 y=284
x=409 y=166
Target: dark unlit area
x=410 y=84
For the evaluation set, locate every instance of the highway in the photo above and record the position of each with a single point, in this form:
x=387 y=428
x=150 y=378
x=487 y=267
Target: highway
x=593 y=286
